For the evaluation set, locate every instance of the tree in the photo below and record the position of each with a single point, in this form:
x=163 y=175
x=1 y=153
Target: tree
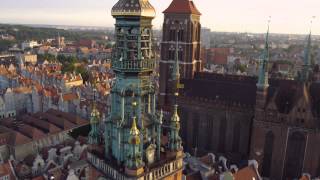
x=48 y=57
x=6 y=44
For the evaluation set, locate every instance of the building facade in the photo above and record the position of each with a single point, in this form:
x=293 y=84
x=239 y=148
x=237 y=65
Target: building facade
x=285 y=127
x=182 y=24
x=274 y=121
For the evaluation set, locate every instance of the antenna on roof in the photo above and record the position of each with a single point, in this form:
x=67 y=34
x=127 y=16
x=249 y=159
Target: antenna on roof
x=269 y=21
x=311 y=23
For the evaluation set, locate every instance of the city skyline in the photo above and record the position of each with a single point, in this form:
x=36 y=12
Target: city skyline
x=291 y=17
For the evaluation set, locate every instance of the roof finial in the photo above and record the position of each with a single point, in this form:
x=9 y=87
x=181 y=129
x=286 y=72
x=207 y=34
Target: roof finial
x=134 y=129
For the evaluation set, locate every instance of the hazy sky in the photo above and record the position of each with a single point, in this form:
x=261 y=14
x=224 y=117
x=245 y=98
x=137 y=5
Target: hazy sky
x=288 y=16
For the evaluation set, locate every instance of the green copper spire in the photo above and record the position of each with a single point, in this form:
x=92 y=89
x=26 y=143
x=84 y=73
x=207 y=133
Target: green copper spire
x=307 y=60
x=94 y=122
x=134 y=159
x=175 y=142
x=175 y=70
x=263 y=70
x=174 y=139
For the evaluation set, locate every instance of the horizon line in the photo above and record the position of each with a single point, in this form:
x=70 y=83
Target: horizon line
x=159 y=29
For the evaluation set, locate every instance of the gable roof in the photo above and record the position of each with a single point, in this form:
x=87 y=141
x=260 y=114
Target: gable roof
x=227 y=88
x=182 y=7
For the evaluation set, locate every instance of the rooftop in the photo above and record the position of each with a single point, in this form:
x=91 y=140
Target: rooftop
x=133 y=8
x=182 y=7
x=37 y=126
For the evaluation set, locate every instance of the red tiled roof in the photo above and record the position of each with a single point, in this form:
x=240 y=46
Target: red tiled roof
x=70 y=96
x=37 y=126
x=40 y=124
x=182 y=7
x=68 y=117
x=31 y=132
x=246 y=173
x=6 y=170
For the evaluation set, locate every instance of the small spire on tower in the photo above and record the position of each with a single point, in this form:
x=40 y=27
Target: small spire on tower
x=134 y=131
x=94 y=121
x=175 y=71
x=175 y=117
x=263 y=72
x=307 y=56
x=95 y=112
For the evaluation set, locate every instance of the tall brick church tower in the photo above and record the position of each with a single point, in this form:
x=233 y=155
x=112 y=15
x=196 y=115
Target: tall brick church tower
x=182 y=24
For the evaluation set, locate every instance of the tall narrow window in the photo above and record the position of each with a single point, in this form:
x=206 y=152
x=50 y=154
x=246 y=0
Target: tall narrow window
x=180 y=55
x=195 y=130
x=222 y=135
x=184 y=125
x=181 y=33
x=209 y=132
x=295 y=155
x=236 y=137
x=267 y=156
x=318 y=170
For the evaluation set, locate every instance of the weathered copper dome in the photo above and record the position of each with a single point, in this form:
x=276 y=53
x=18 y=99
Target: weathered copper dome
x=133 y=8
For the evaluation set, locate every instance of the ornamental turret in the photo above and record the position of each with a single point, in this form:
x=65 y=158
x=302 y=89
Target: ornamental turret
x=175 y=142
x=305 y=74
x=263 y=79
x=132 y=146
x=133 y=52
x=94 y=135
x=174 y=139
x=263 y=82
x=159 y=134
x=134 y=163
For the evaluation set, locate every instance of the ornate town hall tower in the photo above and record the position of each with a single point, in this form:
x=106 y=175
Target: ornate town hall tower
x=182 y=23
x=133 y=146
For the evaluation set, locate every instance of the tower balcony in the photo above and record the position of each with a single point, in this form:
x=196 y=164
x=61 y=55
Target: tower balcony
x=133 y=65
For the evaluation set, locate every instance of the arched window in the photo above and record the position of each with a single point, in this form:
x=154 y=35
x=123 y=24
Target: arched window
x=180 y=54
x=295 y=155
x=172 y=36
x=267 y=154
